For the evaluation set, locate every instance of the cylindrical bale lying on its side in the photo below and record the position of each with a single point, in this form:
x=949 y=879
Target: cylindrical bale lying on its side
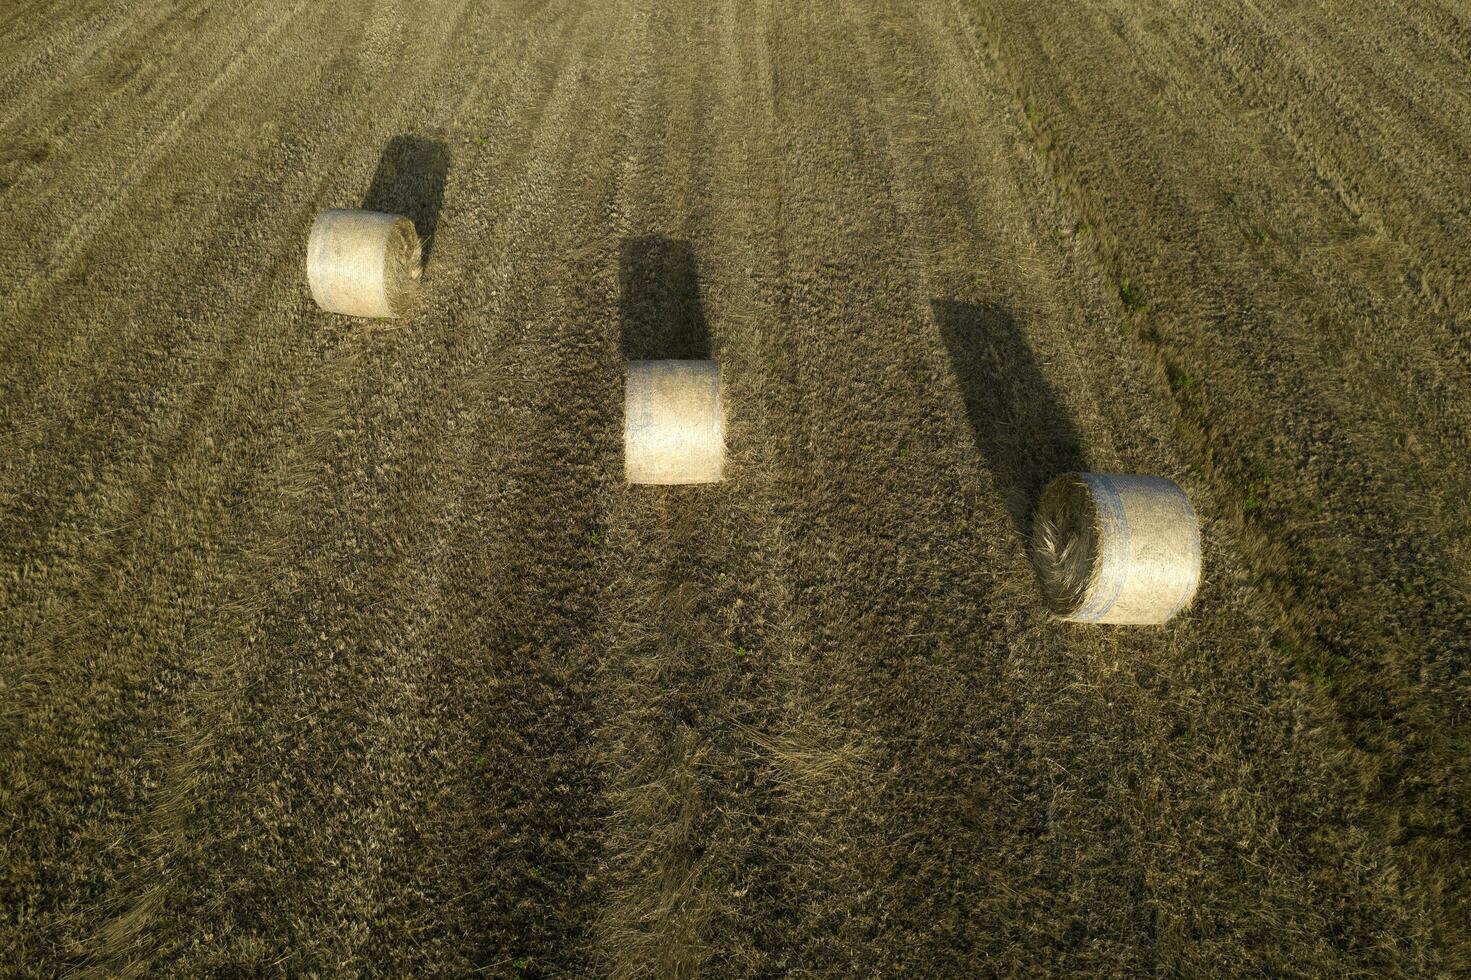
x=1119 y=549
x=363 y=263
x=673 y=426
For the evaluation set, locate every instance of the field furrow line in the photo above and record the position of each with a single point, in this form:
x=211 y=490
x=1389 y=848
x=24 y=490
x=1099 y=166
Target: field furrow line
x=151 y=65
x=333 y=646
x=189 y=345
x=84 y=221
x=694 y=705
x=1425 y=382
x=1336 y=626
x=180 y=343
x=1387 y=154
x=101 y=33
x=269 y=546
x=1225 y=557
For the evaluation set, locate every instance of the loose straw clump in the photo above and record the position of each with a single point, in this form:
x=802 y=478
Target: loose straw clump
x=363 y=263
x=1120 y=549
x=673 y=426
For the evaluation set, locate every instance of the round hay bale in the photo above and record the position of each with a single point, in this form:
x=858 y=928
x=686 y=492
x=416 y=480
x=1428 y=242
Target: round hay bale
x=1111 y=548
x=363 y=263
x=673 y=426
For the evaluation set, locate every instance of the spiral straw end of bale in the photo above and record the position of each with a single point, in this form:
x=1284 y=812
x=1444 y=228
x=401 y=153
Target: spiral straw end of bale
x=363 y=263
x=673 y=423
x=1114 y=548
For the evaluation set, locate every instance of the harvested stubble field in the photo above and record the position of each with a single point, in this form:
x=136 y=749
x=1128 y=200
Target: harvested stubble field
x=337 y=647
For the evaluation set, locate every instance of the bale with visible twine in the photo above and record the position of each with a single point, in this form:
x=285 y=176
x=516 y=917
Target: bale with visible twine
x=363 y=263
x=673 y=426
x=1111 y=548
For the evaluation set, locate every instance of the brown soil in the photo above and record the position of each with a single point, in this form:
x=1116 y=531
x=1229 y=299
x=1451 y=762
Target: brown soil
x=334 y=647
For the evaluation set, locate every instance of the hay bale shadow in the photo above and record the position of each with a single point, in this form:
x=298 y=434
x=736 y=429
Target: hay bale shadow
x=660 y=310
x=410 y=181
x=1022 y=432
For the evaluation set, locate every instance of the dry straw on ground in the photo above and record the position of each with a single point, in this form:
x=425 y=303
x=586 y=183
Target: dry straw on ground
x=1111 y=548
x=673 y=427
x=327 y=651
x=363 y=263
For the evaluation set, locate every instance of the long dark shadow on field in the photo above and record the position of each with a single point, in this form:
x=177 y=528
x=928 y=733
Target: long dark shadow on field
x=660 y=310
x=1022 y=432
x=410 y=181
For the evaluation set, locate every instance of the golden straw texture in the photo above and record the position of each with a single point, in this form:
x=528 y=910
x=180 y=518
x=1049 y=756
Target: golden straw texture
x=363 y=263
x=673 y=427
x=1112 y=548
